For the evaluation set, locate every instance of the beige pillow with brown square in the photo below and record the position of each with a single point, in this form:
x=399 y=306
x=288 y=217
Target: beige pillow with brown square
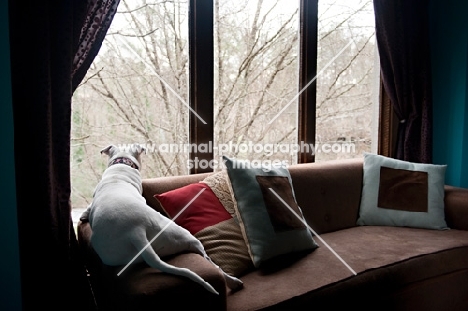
x=402 y=194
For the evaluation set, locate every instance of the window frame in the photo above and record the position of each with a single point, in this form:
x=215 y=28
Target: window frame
x=308 y=44
x=201 y=82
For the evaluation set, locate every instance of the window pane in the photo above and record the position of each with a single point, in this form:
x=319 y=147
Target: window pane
x=347 y=79
x=135 y=91
x=256 y=77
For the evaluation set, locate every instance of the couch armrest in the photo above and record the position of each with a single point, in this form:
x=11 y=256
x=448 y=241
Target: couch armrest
x=145 y=288
x=141 y=287
x=456 y=207
x=92 y=261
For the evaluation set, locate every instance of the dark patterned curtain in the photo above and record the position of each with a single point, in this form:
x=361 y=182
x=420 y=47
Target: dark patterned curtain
x=52 y=44
x=402 y=32
x=97 y=21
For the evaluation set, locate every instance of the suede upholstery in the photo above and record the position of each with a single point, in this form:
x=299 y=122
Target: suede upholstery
x=397 y=268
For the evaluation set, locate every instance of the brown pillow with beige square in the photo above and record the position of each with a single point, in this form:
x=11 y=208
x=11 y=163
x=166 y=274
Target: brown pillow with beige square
x=209 y=221
x=224 y=242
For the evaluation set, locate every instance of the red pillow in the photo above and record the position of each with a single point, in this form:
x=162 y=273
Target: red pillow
x=205 y=211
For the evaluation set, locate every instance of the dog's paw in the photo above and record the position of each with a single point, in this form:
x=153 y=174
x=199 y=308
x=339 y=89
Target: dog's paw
x=234 y=283
x=85 y=216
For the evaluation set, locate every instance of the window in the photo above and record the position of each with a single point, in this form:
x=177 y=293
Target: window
x=252 y=79
x=256 y=58
x=135 y=91
x=347 y=81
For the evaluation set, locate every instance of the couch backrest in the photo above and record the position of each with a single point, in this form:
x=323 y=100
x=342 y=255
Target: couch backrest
x=328 y=192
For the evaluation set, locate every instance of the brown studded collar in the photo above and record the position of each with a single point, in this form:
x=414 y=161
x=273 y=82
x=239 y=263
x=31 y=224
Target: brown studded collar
x=123 y=160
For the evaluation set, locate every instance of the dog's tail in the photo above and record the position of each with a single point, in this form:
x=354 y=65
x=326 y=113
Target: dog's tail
x=153 y=260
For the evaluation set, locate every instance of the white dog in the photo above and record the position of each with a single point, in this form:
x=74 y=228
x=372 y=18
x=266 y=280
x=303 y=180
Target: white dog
x=123 y=224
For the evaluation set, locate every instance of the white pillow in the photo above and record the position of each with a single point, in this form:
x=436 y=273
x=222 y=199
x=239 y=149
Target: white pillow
x=400 y=193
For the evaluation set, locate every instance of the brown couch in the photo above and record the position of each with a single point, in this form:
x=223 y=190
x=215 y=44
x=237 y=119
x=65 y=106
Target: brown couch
x=397 y=268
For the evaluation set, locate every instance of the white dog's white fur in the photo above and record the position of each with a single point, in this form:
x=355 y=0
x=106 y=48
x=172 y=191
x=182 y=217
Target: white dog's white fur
x=123 y=224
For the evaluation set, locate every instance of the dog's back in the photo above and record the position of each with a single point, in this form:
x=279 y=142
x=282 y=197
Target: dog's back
x=116 y=210
x=124 y=225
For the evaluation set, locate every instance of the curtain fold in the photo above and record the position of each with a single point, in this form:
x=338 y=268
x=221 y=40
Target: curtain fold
x=44 y=39
x=402 y=33
x=98 y=18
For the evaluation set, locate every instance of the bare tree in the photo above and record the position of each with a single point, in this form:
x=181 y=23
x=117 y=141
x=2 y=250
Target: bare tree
x=344 y=90
x=136 y=89
x=256 y=55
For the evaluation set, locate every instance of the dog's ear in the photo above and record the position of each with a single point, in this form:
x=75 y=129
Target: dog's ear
x=108 y=149
x=139 y=149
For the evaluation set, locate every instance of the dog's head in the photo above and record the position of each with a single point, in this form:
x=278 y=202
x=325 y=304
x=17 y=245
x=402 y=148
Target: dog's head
x=129 y=155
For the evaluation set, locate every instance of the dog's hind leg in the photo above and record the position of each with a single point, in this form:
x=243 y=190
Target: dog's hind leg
x=153 y=260
x=232 y=282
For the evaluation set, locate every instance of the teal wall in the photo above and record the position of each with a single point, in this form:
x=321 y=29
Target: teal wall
x=464 y=168
x=10 y=295
x=449 y=47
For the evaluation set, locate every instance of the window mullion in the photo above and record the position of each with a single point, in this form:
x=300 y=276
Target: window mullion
x=308 y=38
x=201 y=87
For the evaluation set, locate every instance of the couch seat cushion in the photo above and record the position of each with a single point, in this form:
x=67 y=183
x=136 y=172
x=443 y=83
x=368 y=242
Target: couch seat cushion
x=365 y=249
